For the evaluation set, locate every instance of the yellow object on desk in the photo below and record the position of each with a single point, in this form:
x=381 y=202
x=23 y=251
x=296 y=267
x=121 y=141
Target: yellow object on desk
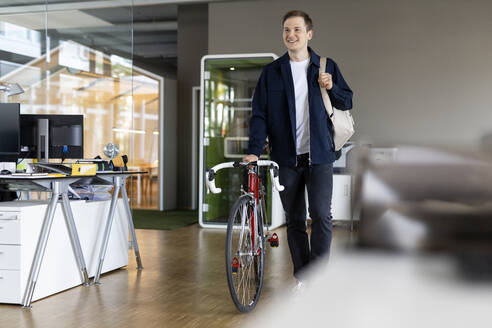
x=56 y=175
x=84 y=169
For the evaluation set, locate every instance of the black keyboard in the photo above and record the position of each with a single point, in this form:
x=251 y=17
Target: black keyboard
x=54 y=167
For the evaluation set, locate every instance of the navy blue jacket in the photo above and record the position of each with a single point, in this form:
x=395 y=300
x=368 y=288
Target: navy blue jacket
x=274 y=113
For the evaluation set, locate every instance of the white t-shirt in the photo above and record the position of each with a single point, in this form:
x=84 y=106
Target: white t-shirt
x=299 y=75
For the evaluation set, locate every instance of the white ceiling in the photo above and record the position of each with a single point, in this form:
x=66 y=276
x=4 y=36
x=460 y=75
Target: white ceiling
x=55 y=20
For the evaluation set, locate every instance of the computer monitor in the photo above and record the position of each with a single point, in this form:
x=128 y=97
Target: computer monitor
x=9 y=132
x=64 y=135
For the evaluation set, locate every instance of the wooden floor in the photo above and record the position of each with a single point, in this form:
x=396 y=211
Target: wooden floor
x=183 y=284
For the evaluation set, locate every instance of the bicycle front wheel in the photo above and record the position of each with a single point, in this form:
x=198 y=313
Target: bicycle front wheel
x=244 y=254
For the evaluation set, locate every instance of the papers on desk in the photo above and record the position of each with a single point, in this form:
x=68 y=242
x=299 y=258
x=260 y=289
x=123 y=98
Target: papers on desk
x=50 y=175
x=29 y=174
x=84 y=169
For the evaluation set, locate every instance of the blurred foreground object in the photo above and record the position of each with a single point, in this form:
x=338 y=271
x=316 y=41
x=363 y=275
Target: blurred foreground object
x=429 y=200
x=380 y=290
x=424 y=255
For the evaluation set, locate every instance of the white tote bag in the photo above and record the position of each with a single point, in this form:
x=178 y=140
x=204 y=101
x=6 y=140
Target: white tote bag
x=343 y=123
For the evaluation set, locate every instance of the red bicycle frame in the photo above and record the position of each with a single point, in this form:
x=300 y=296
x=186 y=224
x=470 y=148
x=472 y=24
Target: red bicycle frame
x=254 y=187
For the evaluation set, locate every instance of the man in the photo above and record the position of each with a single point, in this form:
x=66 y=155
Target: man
x=288 y=108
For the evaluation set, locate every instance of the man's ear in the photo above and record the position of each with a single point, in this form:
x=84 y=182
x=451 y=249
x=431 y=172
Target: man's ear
x=310 y=35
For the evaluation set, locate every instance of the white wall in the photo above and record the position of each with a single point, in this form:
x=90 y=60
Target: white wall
x=421 y=70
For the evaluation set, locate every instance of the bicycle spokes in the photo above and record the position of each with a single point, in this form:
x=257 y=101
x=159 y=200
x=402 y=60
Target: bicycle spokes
x=245 y=258
x=246 y=240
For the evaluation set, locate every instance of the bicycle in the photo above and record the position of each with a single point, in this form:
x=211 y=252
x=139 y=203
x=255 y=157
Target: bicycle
x=245 y=240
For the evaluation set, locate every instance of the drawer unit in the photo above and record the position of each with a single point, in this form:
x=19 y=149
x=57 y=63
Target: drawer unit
x=10 y=257
x=6 y=215
x=21 y=222
x=10 y=286
x=9 y=228
x=341 y=197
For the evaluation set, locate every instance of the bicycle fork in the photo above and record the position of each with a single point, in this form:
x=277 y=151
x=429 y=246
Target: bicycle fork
x=238 y=261
x=259 y=212
x=272 y=239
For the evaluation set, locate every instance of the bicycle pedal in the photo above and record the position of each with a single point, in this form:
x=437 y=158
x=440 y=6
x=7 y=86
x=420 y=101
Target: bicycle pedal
x=273 y=240
x=235 y=265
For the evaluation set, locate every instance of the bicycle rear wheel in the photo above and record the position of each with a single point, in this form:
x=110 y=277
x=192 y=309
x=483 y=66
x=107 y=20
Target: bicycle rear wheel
x=244 y=255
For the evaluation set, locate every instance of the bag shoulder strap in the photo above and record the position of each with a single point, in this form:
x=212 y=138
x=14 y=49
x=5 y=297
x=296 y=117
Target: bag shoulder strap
x=324 y=92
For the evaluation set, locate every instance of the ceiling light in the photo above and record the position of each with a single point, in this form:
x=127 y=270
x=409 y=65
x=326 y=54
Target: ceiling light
x=12 y=89
x=129 y=131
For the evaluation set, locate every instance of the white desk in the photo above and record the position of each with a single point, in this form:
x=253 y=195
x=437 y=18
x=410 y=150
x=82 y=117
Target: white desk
x=58 y=187
x=21 y=223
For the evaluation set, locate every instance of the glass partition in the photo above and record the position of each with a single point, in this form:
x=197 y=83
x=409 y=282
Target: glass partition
x=81 y=62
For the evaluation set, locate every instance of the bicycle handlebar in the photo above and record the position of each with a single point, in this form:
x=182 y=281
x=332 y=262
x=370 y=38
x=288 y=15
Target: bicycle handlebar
x=210 y=174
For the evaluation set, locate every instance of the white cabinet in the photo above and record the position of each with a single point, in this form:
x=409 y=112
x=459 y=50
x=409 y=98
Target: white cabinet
x=9 y=227
x=341 y=209
x=9 y=286
x=20 y=225
x=341 y=197
x=10 y=256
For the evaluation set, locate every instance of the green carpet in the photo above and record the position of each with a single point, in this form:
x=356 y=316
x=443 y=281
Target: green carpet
x=166 y=220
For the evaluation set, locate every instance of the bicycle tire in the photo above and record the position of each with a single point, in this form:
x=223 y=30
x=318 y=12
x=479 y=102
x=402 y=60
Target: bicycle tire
x=245 y=289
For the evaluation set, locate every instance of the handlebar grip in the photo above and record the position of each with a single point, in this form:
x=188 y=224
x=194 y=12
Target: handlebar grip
x=211 y=182
x=277 y=184
x=274 y=178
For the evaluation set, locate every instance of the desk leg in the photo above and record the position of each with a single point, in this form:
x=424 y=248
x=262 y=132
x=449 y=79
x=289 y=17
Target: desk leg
x=107 y=230
x=41 y=247
x=74 y=237
x=131 y=227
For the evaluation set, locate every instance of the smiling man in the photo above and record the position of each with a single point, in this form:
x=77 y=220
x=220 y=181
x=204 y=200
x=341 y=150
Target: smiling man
x=288 y=108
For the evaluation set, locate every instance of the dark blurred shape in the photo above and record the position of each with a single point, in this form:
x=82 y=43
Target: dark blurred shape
x=486 y=143
x=9 y=132
x=7 y=196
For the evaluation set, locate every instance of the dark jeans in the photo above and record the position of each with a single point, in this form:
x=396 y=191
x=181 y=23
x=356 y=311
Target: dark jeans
x=319 y=182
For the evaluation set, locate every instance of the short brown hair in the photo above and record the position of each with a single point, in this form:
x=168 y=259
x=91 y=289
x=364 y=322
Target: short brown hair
x=299 y=13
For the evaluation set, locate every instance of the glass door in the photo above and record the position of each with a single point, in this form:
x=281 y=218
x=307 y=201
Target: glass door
x=227 y=87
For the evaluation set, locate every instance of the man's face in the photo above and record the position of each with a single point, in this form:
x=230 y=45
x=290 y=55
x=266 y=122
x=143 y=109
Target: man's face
x=295 y=34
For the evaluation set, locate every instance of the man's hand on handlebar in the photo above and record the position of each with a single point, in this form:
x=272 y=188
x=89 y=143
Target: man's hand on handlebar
x=250 y=158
